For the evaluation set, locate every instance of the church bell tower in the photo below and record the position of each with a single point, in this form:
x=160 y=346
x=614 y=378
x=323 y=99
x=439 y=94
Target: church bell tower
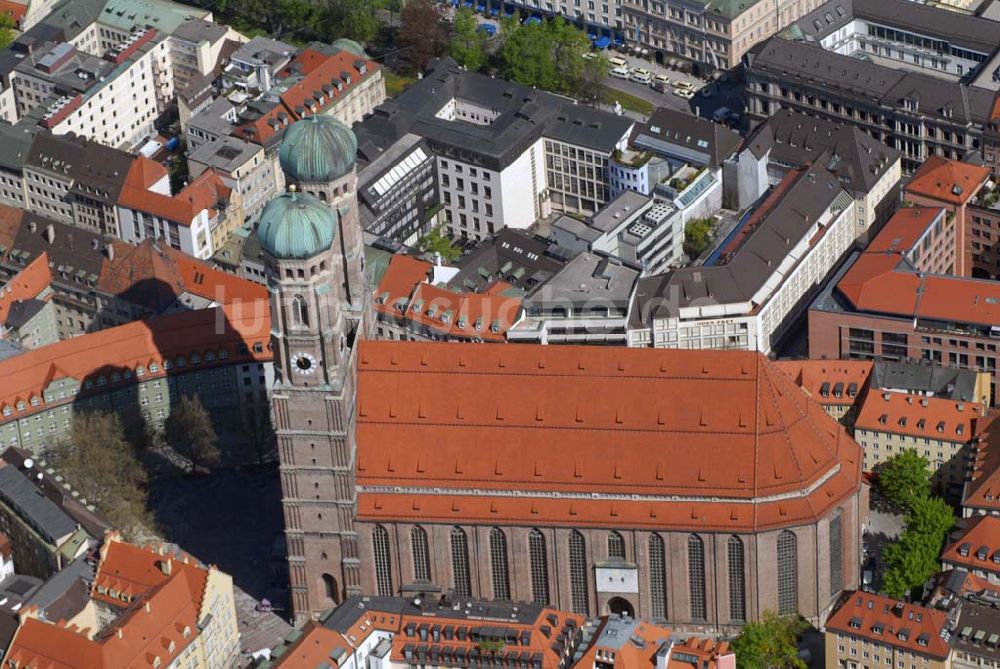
x=311 y=237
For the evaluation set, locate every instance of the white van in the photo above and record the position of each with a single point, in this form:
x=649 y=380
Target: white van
x=617 y=61
x=620 y=73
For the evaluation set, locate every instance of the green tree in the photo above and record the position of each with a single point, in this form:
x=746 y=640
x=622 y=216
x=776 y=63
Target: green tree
x=6 y=31
x=527 y=54
x=569 y=44
x=593 y=77
x=353 y=19
x=189 y=431
x=98 y=461
x=468 y=42
x=436 y=241
x=696 y=236
x=904 y=478
x=422 y=37
x=913 y=559
x=770 y=643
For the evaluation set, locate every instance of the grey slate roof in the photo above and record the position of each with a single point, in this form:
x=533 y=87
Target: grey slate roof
x=525 y=114
x=802 y=63
x=678 y=133
x=16 y=141
x=617 y=210
x=588 y=279
x=954 y=384
x=72 y=247
x=971 y=32
x=227 y=153
x=857 y=158
x=748 y=267
x=98 y=170
x=22 y=311
x=199 y=30
x=51 y=522
x=514 y=256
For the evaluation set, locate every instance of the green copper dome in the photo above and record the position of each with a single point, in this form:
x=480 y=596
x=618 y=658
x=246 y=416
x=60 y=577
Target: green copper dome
x=345 y=44
x=296 y=226
x=318 y=149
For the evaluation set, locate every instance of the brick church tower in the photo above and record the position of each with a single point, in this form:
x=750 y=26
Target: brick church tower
x=311 y=236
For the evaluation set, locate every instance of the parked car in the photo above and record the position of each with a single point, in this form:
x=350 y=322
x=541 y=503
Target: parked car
x=661 y=83
x=683 y=93
x=617 y=61
x=684 y=86
x=619 y=72
x=641 y=75
x=721 y=114
x=706 y=91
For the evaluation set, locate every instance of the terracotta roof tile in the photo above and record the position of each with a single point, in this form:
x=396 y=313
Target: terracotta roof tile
x=829 y=382
x=156 y=276
x=136 y=344
x=152 y=625
x=202 y=194
x=882 y=281
x=25 y=285
x=655 y=435
x=952 y=181
x=917 y=416
x=983 y=491
x=891 y=622
x=980 y=543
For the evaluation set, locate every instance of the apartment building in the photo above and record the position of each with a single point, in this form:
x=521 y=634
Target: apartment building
x=639 y=230
x=969 y=196
x=765 y=276
x=197 y=220
x=505 y=154
x=976 y=549
x=243 y=167
x=868 y=630
x=43 y=537
x=93 y=284
x=398 y=191
x=895 y=301
x=585 y=302
x=867 y=168
x=713 y=34
x=151 y=606
x=955 y=45
x=918 y=114
x=139 y=370
x=409 y=307
x=393 y=632
x=941 y=430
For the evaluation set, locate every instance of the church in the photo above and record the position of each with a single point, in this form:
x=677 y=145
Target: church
x=699 y=488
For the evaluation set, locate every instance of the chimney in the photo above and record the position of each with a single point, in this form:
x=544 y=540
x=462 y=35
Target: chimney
x=146 y=606
x=50 y=233
x=118 y=633
x=109 y=249
x=166 y=566
x=32 y=226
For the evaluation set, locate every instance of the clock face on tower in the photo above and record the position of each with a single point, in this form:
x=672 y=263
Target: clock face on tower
x=304 y=363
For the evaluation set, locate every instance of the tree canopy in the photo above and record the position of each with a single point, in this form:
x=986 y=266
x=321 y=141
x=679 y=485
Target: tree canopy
x=6 y=31
x=421 y=36
x=913 y=559
x=436 y=241
x=99 y=462
x=770 y=642
x=468 y=42
x=550 y=55
x=696 y=236
x=904 y=478
x=189 y=431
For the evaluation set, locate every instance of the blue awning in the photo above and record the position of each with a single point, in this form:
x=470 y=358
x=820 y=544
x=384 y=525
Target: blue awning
x=494 y=12
x=488 y=28
x=591 y=36
x=481 y=8
x=533 y=19
x=602 y=42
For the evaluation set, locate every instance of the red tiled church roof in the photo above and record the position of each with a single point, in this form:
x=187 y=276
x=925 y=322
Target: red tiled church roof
x=643 y=427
